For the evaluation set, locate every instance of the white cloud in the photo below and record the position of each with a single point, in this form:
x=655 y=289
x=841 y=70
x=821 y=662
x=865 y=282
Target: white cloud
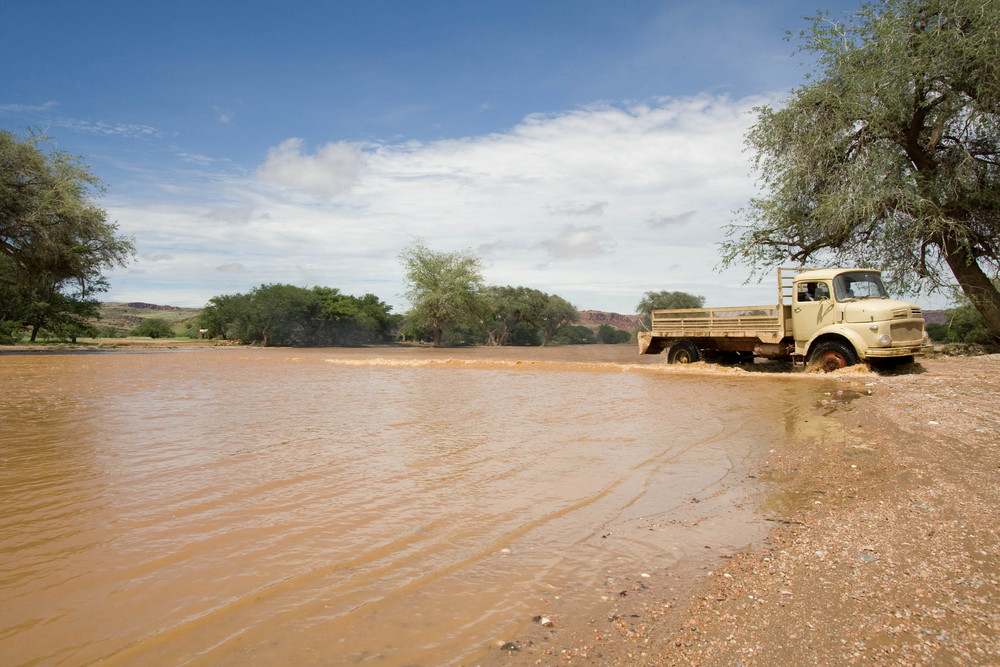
x=643 y=170
x=128 y=130
x=222 y=116
x=22 y=108
x=329 y=172
x=657 y=221
x=235 y=267
x=588 y=209
x=573 y=242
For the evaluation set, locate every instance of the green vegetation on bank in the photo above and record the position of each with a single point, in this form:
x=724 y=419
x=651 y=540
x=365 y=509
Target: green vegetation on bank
x=55 y=243
x=963 y=324
x=450 y=305
x=294 y=316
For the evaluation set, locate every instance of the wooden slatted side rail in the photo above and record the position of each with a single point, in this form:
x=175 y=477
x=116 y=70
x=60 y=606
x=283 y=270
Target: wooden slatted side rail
x=717 y=321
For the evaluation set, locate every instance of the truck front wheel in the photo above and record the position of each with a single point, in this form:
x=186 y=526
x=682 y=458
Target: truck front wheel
x=831 y=355
x=683 y=352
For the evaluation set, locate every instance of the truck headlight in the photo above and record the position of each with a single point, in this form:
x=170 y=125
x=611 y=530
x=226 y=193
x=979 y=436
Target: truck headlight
x=884 y=339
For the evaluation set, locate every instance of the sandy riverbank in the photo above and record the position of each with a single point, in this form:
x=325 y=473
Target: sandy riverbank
x=885 y=548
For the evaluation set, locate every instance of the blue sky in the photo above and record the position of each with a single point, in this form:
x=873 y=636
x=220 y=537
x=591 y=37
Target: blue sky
x=588 y=149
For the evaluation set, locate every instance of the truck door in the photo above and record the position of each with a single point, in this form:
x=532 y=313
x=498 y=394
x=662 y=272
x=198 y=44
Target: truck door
x=812 y=310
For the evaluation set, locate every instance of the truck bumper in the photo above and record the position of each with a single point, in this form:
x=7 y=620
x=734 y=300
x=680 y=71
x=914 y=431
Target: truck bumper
x=901 y=351
x=648 y=344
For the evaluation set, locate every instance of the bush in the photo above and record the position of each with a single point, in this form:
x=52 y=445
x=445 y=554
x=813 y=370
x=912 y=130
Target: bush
x=612 y=336
x=964 y=325
x=574 y=335
x=10 y=332
x=154 y=327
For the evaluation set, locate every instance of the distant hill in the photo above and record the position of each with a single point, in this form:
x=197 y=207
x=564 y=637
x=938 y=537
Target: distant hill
x=593 y=319
x=138 y=305
x=123 y=317
x=935 y=317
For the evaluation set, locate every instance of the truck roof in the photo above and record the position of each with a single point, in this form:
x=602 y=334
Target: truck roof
x=827 y=274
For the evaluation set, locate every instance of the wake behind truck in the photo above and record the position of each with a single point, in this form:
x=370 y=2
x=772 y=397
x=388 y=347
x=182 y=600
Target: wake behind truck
x=830 y=318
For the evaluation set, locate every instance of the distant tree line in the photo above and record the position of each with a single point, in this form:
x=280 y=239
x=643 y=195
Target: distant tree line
x=451 y=305
x=287 y=315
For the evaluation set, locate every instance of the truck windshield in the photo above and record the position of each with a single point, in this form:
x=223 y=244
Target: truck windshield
x=859 y=285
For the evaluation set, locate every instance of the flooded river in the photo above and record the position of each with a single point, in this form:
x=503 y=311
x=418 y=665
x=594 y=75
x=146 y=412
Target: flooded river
x=401 y=506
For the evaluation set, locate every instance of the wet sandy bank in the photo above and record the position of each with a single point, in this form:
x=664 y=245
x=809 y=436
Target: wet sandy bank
x=883 y=548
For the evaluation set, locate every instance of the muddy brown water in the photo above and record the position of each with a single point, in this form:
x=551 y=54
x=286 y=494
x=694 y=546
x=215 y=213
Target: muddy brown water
x=397 y=506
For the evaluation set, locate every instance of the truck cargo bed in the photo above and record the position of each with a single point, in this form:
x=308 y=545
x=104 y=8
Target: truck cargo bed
x=759 y=323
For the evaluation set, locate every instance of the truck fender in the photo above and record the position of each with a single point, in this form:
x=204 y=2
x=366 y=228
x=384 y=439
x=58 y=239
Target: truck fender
x=834 y=332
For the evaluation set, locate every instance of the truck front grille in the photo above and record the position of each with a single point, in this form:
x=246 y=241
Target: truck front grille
x=903 y=332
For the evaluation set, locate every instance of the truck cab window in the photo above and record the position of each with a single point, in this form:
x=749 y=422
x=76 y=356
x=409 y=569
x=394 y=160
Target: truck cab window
x=813 y=291
x=859 y=285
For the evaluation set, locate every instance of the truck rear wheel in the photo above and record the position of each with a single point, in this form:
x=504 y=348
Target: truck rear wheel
x=831 y=355
x=683 y=352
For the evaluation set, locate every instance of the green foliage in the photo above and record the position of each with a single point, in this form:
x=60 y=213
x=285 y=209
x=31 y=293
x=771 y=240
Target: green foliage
x=510 y=309
x=11 y=332
x=524 y=334
x=523 y=316
x=964 y=324
x=890 y=156
x=450 y=302
x=154 y=327
x=55 y=244
x=188 y=330
x=294 y=316
x=35 y=306
x=444 y=288
x=612 y=336
x=666 y=300
x=573 y=335
x=558 y=313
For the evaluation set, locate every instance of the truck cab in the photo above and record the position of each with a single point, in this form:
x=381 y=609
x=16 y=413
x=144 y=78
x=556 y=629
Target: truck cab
x=841 y=316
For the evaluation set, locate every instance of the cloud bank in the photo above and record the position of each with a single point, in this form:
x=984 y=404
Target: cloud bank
x=598 y=205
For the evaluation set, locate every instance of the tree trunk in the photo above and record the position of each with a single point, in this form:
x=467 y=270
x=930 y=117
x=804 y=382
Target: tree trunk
x=975 y=284
x=34 y=332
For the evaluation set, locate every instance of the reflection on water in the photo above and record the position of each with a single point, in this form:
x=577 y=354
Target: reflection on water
x=326 y=506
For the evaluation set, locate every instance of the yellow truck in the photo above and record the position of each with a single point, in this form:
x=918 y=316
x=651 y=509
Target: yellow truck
x=830 y=318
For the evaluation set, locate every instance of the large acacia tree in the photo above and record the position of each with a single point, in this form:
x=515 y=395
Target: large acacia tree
x=55 y=242
x=889 y=156
x=444 y=287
